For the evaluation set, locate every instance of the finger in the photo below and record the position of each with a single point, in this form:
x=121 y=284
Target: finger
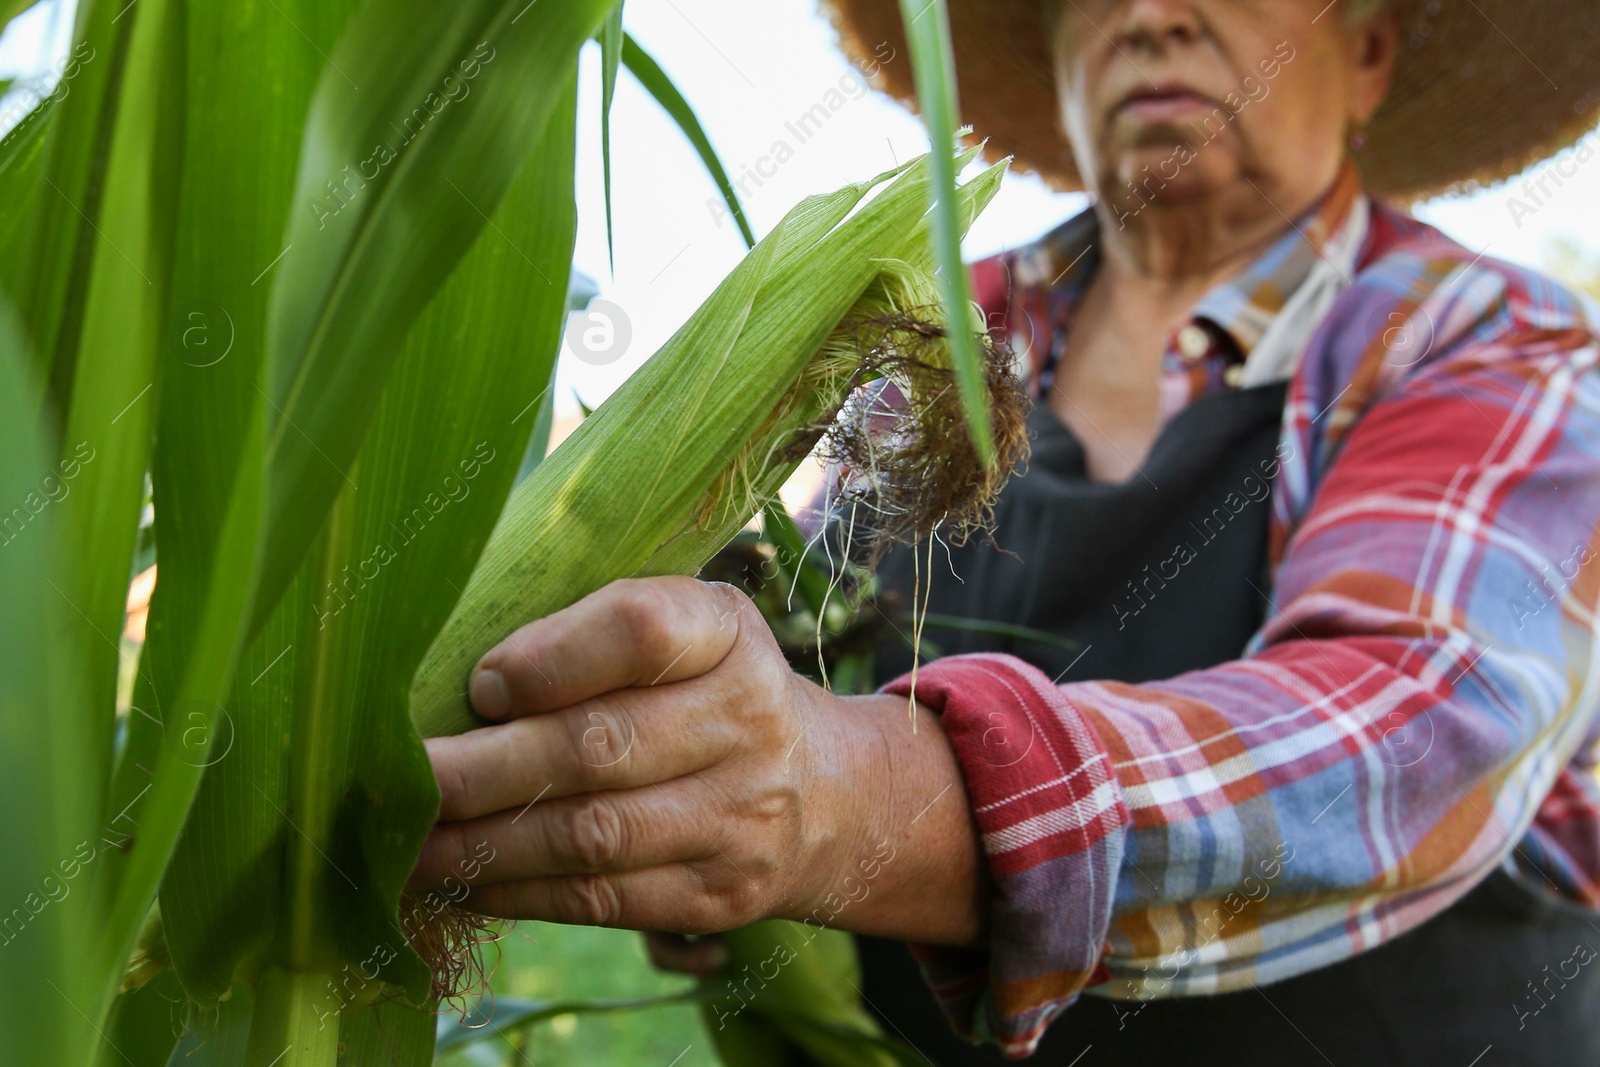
x=633 y=632
x=700 y=956
x=673 y=898
x=623 y=740
x=596 y=833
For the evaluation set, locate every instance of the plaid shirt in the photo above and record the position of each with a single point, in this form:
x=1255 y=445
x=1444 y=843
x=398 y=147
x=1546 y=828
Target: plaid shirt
x=1419 y=707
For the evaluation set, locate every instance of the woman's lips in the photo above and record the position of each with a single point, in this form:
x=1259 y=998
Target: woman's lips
x=1165 y=106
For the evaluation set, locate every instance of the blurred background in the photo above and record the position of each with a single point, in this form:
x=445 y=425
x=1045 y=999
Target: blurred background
x=750 y=73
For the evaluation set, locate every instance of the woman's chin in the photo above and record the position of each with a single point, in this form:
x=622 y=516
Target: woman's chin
x=1160 y=182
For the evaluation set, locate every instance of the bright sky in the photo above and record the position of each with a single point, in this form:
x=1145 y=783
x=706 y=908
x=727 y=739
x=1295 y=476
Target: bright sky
x=749 y=71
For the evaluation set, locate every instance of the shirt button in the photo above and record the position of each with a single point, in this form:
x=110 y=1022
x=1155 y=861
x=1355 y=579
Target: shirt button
x=1193 y=342
x=1234 y=375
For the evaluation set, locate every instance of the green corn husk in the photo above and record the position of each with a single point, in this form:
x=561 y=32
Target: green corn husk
x=680 y=458
x=791 y=998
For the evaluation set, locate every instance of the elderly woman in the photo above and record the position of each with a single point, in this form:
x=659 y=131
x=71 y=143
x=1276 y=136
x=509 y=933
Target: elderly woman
x=1313 y=494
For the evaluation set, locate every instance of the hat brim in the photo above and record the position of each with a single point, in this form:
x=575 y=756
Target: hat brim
x=1483 y=88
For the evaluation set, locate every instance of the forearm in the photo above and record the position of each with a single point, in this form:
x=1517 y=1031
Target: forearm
x=905 y=861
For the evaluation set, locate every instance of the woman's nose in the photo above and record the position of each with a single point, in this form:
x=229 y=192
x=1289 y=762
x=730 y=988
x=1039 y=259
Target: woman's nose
x=1151 y=25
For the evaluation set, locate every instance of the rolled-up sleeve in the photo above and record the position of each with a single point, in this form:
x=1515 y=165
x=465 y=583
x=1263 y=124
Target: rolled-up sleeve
x=1410 y=717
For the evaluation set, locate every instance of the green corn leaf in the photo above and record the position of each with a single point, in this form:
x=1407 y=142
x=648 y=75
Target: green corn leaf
x=21 y=167
x=611 y=57
x=115 y=384
x=63 y=241
x=47 y=756
x=655 y=81
x=396 y=182
x=387 y=1035
x=250 y=75
x=927 y=24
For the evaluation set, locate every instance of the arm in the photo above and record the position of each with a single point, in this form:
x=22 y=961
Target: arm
x=1425 y=681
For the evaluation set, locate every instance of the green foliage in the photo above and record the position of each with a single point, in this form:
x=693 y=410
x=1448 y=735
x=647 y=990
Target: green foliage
x=303 y=265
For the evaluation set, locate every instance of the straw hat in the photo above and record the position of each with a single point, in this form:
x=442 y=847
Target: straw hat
x=1482 y=90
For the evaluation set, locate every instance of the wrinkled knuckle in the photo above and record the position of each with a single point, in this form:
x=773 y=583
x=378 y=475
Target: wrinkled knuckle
x=647 y=613
x=709 y=911
x=594 y=835
x=741 y=903
x=777 y=806
x=767 y=721
x=593 y=900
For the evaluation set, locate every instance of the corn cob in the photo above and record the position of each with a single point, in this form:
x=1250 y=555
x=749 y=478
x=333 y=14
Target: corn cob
x=669 y=468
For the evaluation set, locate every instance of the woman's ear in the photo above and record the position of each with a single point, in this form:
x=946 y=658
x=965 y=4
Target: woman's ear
x=1375 y=47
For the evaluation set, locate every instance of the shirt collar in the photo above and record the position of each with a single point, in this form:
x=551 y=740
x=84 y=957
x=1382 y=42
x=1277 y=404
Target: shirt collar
x=1244 y=307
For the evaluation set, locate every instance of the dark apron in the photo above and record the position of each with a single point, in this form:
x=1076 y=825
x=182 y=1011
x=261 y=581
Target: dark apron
x=1102 y=566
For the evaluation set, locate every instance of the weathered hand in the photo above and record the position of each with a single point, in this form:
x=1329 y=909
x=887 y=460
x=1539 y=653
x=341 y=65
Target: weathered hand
x=656 y=765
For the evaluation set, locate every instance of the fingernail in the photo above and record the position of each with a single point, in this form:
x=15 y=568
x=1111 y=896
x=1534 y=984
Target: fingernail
x=489 y=694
